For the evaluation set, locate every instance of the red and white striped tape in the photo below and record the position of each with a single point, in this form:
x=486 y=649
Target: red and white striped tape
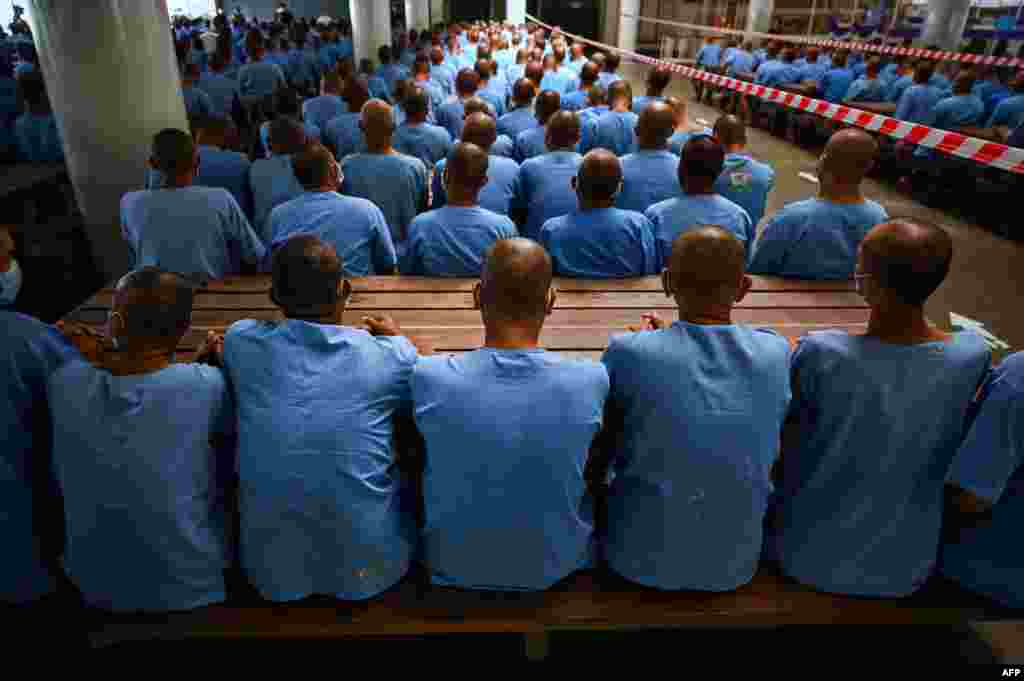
x=844 y=45
x=953 y=143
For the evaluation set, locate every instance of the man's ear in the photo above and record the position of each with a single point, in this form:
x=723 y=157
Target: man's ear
x=476 y=296
x=666 y=283
x=746 y=283
x=552 y=299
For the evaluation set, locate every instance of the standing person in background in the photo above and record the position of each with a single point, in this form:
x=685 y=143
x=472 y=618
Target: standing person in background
x=197 y=102
x=35 y=131
x=260 y=78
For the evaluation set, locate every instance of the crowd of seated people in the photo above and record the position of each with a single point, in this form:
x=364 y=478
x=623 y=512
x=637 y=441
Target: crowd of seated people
x=350 y=454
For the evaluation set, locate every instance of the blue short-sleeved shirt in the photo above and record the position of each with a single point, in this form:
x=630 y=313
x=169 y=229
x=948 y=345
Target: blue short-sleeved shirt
x=429 y=143
x=765 y=68
x=1009 y=112
x=453 y=241
x=988 y=558
x=615 y=131
x=143 y=484
x=344 y=134
x=866 y=89
x=648 y=176
x=577 y=100
x=835 y=83
x=675 y=216
x=679 y=139
x=606 y=78
x=500 y=420
x=323 y=509
x=860 y=500
x=319 y=111
x=355 y=227
x=504 y=147
x=221 y=90
x=741 y=61
x=516 y=121
x=530 y=143
x=396 y=183
x=889 y=73
x=197 y=102
x=784 y=73
x=898 y=87
x=38 y=138
x=495 y=99
x=31 y=352
x=917 y=102
x=391 y=74
x=273 y=182
x=227 y=170
x=813 y=72
x=562 y=81
x=701 y=409
x=497 y=194
x=815 y=239
x=194 y=231
x=260 y=79
x=544 y=189
x=444 y=78
x=603 y=243
x=313 y=135
x=451 y=115
x=709 y=55
x=746 y=183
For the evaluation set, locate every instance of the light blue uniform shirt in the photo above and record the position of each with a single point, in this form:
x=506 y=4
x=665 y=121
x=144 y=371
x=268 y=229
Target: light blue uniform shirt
x=272 y=181
x=888 y=74
x=709 y=55
x=313 y=135
x=396 y=183
x=378 y=88
x=815 y=239
x=221 y=90
x=942 y=83
x=497 y=194
x=323 y=509
x=783 y=74
x=604 y=243
x=530 y=143
x=835 y=84
x=500 y=420
x=562 y=81
x=813 y=72
x=640 y=103
x=866 y=90
x=513 y=73
x=197 y=102
x=444 y=77
x=898 y=87
x=701 y=409
x=605 y=78
x=765 y=68
x=950 y=113
x=143 y=485
x=577 y=100
x=741 y=61
x=355 y=227
x=391 y=74
x=504 y=147
x=495 y=100
x=675 y=216
x=194 y=231
x=227 y=170
x=260 y=79
x=517 y=121
x=32 y=351
x=615 y=131
x=1009 y=112
x=453 y=241
x=647 y=178
x=746 y=183
x=544 y=189
x=917 y=102
x=344 y=134
x=679 y=139
x=319 y=111
x=988 y=558
x=860 y=500
x=429 y=143
x=450 y=116
x=38 y=138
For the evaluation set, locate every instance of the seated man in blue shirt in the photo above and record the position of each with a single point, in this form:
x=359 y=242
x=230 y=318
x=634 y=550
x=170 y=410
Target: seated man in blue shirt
x=394 y=182
x=451 y=241
x=218 y=165
x=320 y=110
x=522 y=116
x=272 y=180
x=325 y=506
x=502 y=173
x=222 y=90
x=354 y=227
x=812 y=69
x=429 y=143
x=342 y=134
x=143 y=452
x=35 y=131
x=836 y=82
x=697 y=407
x=616 y=129
x=197 y=232
x=197 y=102
x=699 y=168
x=918 y=100
x=260 y=78
x=534 y=414
x=451 y=114
x=818 y=238
x=651 y=174
x=599 y=241
x=544 y=187
x=867 y=88
x=658 y=81
x=503 y=146
x=961 y=109
x=903 y=80
x=288 y=105
x=875 y=422
x=744 y=181
x=1010 y=111
x=578 y=99
x=988 y=476
x=530 y=142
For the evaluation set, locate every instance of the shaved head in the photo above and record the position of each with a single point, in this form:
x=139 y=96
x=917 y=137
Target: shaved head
x=467 y=166
x=701 y=163
x=377 y=119
x=600 y=176
x=480 y=129
x=286 y=135
x=589 y=73
x=307 y=273
x=357 y=93
x=515 y=282
x=731 y=131
x=174 y=152
x=475 y=105
x=534 y=72
x=548 y=102
x=154 y=307
x=907 y=258
x=563 y=130
x=849 y=156
x=620 y=91
x=657 y=123
x=312 y=167
x=707 y=265
x=524 y=91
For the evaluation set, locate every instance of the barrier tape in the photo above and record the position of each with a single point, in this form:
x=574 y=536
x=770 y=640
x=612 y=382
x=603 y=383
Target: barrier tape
x=844 y=45
x=952 y=143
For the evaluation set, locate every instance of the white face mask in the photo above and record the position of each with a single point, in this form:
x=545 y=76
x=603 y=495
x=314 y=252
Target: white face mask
x=10 y=284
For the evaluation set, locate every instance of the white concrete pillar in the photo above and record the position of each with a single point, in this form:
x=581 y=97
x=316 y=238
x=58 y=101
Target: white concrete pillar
x=629 y=26
x=112 y=77
x=417 y=14
x=759 y=15
x=515 y=11
x=371 y=27
x=945 y=23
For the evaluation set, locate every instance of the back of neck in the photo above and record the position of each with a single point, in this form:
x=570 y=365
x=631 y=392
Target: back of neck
x=903 y=325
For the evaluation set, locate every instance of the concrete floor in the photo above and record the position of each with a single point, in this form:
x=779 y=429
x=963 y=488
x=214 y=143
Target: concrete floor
x=987 y=271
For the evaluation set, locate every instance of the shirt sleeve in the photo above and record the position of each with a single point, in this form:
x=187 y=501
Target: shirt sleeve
x=903 y=107
x=769 y=252
x=384 y=257
x=649 y=248
x=999 y=115
x=994 y=447
x=250 y=248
